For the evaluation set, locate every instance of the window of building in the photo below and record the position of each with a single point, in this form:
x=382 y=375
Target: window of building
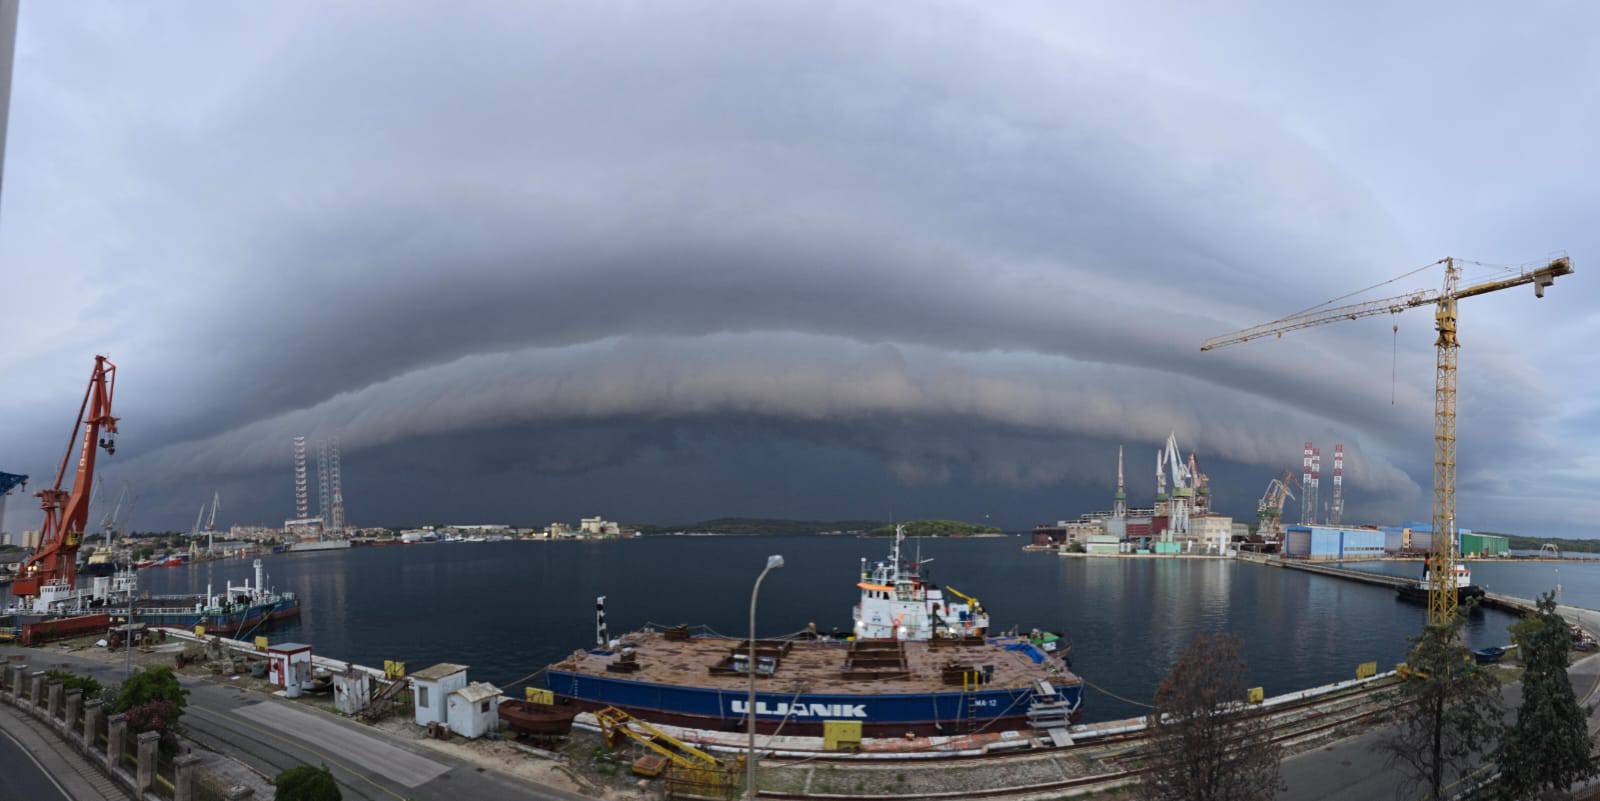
x=484 y=708
x=422 y=696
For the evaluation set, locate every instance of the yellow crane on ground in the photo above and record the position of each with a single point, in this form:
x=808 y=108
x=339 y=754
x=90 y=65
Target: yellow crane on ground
x=692 y=766
x=1442 y=598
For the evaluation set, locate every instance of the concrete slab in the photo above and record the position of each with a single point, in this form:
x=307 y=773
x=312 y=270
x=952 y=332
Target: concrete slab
x=358 y=749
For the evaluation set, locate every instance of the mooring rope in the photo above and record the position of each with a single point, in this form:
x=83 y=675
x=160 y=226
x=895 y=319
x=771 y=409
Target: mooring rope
x=1114 y=695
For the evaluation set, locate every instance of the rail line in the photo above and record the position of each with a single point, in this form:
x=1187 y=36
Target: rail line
x=1292 y=724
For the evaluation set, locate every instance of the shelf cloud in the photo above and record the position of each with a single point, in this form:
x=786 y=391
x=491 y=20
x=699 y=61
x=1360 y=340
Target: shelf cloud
x=962 y=253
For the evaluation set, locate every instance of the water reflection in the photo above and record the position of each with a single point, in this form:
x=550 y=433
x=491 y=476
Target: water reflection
x=507 y=608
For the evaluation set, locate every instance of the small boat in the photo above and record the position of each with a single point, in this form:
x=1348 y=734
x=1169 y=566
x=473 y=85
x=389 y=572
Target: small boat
x=538 y=720
x=1488 y=656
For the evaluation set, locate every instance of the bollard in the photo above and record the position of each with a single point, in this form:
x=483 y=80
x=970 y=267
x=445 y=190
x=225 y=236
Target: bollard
x=116 y=740
x=52 y=694
x=36 y=689
x=73 y=707
x=183 y=770
x=91 y=724
x=145 y=774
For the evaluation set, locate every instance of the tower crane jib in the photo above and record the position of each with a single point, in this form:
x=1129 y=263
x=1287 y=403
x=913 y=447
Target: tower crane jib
x=1442 y=596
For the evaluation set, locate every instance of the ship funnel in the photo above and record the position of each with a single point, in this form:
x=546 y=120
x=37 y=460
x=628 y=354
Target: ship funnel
x=260 y=578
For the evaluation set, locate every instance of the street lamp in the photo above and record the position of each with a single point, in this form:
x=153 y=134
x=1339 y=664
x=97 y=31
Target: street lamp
x=773 y=561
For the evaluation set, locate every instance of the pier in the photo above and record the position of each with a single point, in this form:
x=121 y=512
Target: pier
x=1491 y=600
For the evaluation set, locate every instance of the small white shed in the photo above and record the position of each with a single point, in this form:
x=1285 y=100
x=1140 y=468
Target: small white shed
x=474 y=710
x=431 y=687
x=289 y=666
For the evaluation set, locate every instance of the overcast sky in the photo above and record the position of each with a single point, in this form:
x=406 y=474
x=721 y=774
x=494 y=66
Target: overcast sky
x=663 y=262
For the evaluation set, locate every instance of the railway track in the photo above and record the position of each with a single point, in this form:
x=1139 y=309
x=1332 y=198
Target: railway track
x=1284 y=711
x=1117 y=757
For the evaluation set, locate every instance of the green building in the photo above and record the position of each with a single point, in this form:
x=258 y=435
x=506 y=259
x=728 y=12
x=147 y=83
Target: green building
x=1474 y=544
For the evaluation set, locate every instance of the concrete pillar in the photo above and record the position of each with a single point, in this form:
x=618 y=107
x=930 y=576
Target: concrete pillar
x=116 y=740
x=18 y=672
x=145 y=776
x=91 y=724
x=36 y=691
x=183 y=770
x=74 y=705
x=52 y=694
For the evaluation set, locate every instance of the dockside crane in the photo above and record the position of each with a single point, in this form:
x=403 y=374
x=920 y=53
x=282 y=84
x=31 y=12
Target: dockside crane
x=66 y=512
x=1442 y=600
x=1269 y=510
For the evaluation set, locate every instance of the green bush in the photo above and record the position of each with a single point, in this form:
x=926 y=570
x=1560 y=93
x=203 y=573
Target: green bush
x=306 y=783
x=153 y=701
x=72 y=681
x=150 y=685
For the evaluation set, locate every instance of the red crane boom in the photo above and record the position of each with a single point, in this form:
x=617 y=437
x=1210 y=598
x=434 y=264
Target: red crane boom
x=67 y=513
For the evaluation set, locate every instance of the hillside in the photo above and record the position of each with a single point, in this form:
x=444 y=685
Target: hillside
x=936 y=528
x=761 y=525
x=1521 y=543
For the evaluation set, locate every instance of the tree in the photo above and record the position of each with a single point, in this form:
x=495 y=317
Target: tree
x=153 y=701
x=1447 y=710
x=306 y=783
x=1548 y=747
x=1207 y=744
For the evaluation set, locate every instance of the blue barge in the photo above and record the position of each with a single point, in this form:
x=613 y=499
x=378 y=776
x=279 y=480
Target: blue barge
x=920 y=663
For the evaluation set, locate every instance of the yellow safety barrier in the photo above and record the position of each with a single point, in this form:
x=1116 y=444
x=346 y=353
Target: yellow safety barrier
x=199 y=631
x=1257 y=695
x=537 y=695
x=394 y=670
x=1366 y=670
x=261 y=643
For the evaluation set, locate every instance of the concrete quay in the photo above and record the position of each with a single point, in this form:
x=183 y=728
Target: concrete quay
x=267 y=735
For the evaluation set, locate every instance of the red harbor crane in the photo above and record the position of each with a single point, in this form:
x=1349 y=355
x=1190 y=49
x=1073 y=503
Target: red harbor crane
x=66 y=512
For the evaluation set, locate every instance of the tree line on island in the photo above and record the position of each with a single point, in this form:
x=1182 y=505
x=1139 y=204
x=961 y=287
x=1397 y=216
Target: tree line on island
x=746 y=526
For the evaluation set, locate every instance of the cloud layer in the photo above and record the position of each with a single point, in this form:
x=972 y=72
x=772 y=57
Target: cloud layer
x=970 y=246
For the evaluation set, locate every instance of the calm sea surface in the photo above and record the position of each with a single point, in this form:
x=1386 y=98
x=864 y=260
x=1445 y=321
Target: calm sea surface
x=507 y=609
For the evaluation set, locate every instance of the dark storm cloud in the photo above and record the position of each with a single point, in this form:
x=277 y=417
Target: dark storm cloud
x=960 y=247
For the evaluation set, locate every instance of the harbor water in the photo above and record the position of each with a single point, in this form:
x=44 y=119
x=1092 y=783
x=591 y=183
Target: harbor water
x=508 y=608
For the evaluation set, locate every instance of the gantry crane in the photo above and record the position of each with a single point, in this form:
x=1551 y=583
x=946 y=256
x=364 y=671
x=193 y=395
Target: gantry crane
x=66 y=513
x=1441 y=575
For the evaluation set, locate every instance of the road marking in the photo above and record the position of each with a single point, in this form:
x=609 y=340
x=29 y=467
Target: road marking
x=392 y=762
x=35 y=761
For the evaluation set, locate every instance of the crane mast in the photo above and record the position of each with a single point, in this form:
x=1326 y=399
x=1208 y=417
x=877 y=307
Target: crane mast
x=1442 y=596
x=66 y=512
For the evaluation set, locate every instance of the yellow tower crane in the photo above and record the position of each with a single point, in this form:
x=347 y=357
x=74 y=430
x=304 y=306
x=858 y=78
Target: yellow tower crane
x=1442 y=597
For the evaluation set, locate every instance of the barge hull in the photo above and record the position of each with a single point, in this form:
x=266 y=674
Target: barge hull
x=803 y=714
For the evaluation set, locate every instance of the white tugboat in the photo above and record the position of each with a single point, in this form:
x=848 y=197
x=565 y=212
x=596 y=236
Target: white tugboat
x=898 y=604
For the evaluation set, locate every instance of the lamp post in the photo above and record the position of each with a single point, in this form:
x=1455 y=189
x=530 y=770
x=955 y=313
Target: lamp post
x=773 y=561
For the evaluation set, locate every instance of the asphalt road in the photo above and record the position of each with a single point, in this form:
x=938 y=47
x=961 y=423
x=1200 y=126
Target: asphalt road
x=23 y=778
x=271 y=735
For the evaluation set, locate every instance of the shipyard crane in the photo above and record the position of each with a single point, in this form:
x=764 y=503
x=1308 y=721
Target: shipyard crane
x=108 y=524
x=211 y=522
x=66 y=512
x=1442 y=599
x=1269 y=511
